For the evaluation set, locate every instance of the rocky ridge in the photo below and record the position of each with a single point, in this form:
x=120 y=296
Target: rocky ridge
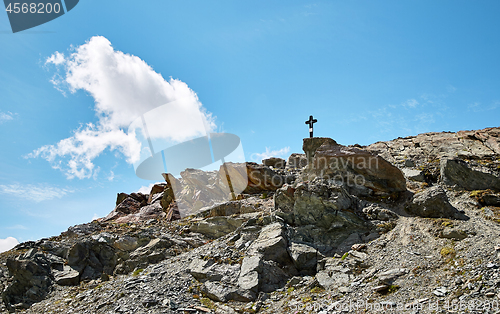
x=409 y=225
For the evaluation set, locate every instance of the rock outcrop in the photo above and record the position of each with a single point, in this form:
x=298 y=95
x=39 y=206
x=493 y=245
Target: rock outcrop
x=363 y=172
x=420 y=229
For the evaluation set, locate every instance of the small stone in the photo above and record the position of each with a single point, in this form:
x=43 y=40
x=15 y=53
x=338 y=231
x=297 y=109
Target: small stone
x=202 y=309
x=358 y=246
x=490 y=294
x=380 y=288
x=492 y=265
x=440 y=292
x=149 y=303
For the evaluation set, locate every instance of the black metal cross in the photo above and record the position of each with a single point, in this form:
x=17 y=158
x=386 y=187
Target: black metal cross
x=311 y=121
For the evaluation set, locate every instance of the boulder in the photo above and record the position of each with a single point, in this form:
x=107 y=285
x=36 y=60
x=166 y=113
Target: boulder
x=271 y=244
x=92 y=258
x=319 y=214
x=453 y=233
x=250 y=177
x=458 y=172
x=126 y=243
x=227 y=209
x=157 y=188
x=274 y=162
x=413 y=174
x=168 y=197
x=66 y=276
x=304 y=256
x=120 y=197
x=356 y=169
x=310 y=145
x=223 y=292
x=215 y=227
x=32 y=280
x=128 y=206
x=251 y=267
x=377 y=212
x=432 y=203
x=296 y=161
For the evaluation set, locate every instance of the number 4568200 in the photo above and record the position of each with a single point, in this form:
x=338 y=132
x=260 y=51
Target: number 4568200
x=33 y=8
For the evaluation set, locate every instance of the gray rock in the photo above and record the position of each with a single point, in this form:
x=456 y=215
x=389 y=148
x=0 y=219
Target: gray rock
x=354 y=168
x=389 y=275
x=329 y=279
x=223 y=292
x=67 y=276
x=249 y=273
x=377 y=212
x=452 y=233
x=218 y=226
x=271 y=244
x=296 y=161
x=31 y=281
x=274 y=162
x=432 y=203
x=304 y=256
x=413 y=174
x=458 y=172
x=126 y=243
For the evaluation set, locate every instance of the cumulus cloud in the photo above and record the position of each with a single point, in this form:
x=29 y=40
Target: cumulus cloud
x=6 y=116
x=35 y=193
x=270 y=153
x=124 y=88
x=7 y=244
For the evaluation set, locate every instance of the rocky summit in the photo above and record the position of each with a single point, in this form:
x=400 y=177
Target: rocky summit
x=410 y=225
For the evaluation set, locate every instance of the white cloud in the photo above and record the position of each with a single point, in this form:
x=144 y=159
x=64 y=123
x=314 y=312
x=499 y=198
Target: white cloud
x=57 y=58
x=411 y=103
x=147 y=188
x=35 y=193
x=7 y=244
x=95 y=217
x=124 y=87
x=270 y=153
x=6 y=116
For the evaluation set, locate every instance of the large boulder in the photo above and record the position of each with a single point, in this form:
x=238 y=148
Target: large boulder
x=32 y=280
x=128 y=206
x=359 y=170
x=320 y=214
x=432 y=203
x=250 y=177
x=274 y=162
x=296 y=161
x=304 y=256
x=267 y=264
x=92 y=258
x=310 y=145
x=156 y=189
x=458 y=172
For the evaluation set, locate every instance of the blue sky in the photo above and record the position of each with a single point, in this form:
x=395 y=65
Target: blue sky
x=367 y=70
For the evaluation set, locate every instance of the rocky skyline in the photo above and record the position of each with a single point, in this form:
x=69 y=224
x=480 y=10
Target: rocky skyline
x=408 y=225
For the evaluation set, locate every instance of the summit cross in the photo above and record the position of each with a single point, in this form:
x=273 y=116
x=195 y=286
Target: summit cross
x=311 y=122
